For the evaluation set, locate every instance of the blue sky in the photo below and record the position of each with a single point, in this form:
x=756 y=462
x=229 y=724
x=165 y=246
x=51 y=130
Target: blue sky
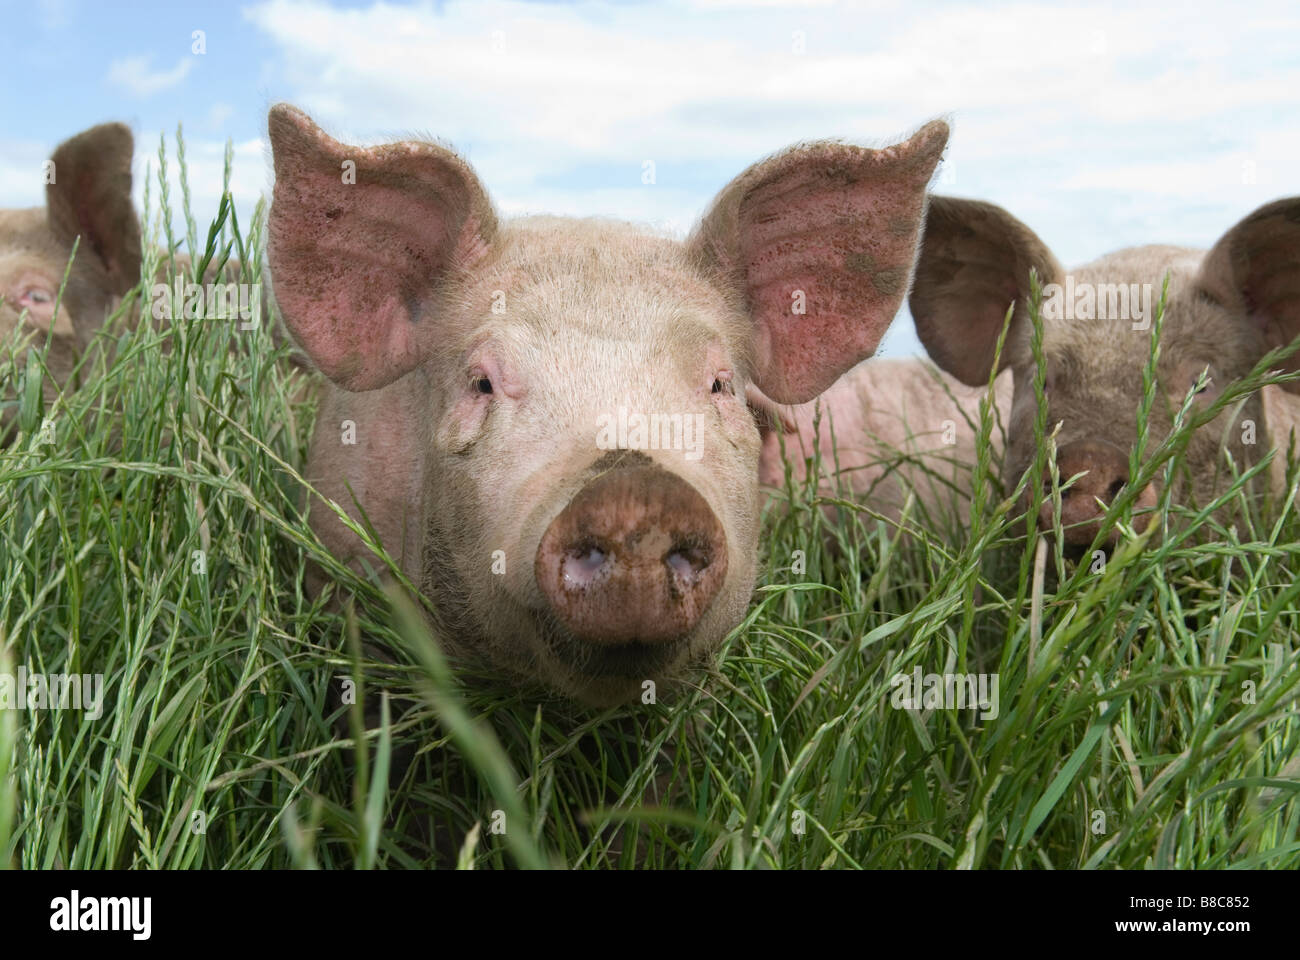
x=1101 y=126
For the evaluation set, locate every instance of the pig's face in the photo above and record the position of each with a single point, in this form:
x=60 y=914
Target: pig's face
x=588 y=463
x=31 y=269
x=90 y=198
x=1224 y=311
x=601 y=328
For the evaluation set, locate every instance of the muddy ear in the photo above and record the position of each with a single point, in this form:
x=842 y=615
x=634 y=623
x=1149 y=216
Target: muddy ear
x=1254 y=270
x=360 y=241
x=818 y=244
x=975 y=260
x=90 y=196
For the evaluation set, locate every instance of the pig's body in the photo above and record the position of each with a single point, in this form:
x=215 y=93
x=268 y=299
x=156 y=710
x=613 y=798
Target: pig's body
x=498 y=379
x=1226 y=308
x=892 y=427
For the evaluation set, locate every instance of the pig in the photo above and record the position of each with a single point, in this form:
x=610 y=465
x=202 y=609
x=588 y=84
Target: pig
x=88 y=195
x=489 y=384
x=1227 y=307
x=891 y=427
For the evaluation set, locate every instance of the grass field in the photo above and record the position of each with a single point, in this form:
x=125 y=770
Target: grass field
x=152 y=532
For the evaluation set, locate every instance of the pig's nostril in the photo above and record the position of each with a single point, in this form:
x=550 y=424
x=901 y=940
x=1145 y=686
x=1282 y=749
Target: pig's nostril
x=687 y=563
x=1115 y=488
x=584 y=565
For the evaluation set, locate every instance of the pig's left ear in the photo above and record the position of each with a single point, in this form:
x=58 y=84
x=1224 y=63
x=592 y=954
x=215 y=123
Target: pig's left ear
x=820 y=242
x=1255 y=269
x=90 y=197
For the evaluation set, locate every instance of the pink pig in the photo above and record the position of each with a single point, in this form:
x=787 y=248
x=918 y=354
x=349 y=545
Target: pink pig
x=545 y=419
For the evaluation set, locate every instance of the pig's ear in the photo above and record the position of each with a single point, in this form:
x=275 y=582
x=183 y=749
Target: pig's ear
x=90 y=196
x=360 y=242
x=975 y=260
x=818 y=243
x=1254 y=270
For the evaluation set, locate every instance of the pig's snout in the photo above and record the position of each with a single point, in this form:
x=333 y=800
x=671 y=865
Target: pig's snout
x=1106 y=467
x=637 y=556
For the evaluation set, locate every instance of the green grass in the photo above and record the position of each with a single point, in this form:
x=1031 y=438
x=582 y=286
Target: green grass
x=1126 y=736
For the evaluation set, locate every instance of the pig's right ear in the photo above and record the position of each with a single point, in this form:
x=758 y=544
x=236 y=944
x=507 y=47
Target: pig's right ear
x=817 y=244
x=975 y=260
x=360 y=242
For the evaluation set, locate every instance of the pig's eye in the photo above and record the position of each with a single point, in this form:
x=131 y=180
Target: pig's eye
x=481 y=384
x=722 y=384
x=34 y=298
x=1208 y=388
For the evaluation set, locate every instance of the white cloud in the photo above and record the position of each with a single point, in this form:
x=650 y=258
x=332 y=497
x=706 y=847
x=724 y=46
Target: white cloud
x=582 y=84
x=133 y=75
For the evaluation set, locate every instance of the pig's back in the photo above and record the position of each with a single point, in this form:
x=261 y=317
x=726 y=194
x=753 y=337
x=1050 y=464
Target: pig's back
x=1145 y=264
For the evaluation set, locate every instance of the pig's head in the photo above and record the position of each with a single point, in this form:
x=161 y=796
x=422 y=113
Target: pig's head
x=88 y=196
x=589 y=461
x=1225 y=310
